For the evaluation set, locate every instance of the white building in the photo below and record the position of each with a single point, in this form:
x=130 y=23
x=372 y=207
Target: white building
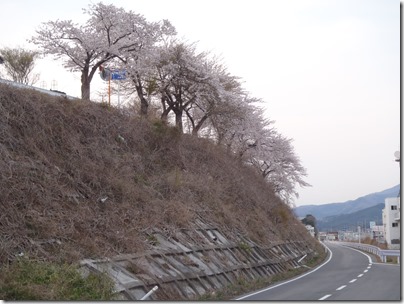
x=377 y=233
x=310 y=229
x=391 y=222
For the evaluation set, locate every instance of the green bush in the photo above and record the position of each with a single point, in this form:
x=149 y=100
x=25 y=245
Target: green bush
x=244 y=246
x=33 y=280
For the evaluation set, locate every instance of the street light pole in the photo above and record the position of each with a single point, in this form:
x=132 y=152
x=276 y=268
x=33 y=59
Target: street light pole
x=397 y=155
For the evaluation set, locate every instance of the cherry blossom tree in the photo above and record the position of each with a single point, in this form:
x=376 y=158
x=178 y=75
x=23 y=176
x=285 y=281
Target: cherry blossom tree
x=213 y=99
x=180 y=77
x=229 y=113
x=256 y=142
x=192 y=86
x=108 y=32
x=189 y=85
x=276 y=160
x=236 y=127
x=140 y=64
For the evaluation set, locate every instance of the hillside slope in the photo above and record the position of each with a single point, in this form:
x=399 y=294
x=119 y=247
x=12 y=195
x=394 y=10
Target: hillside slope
x=332 y=209
x=81 y=180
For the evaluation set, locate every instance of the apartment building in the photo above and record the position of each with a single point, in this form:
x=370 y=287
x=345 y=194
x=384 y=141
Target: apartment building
x=391 y=222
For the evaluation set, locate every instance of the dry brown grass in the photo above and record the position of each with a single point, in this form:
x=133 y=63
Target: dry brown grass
x=373 y=242
x=79 y=179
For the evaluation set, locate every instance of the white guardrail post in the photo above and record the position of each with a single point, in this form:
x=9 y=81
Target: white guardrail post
x=149 y=293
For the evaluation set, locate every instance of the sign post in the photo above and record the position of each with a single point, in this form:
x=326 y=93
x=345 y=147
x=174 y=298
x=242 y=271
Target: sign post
x=108 y=75
x=119 y=75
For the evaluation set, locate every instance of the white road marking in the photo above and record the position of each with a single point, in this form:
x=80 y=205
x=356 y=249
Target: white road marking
x=360 y=275
x=366 y=270
x=341 y=287
x=325 y=297
x=303 y=275
x=351 y=281
x=369 y=258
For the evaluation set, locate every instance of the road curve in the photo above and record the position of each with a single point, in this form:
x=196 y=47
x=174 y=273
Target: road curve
x=347 y=274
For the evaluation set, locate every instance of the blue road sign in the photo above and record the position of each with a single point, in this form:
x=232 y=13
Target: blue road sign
x=118 y=75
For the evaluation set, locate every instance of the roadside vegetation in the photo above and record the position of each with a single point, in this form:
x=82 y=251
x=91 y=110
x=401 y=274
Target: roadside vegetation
x=32 y=280
x=369 y=241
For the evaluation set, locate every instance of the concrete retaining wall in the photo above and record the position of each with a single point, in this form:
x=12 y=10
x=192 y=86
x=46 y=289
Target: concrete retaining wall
x=193 y=263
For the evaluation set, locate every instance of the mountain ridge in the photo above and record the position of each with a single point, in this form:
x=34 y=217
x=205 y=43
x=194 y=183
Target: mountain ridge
x=333 y=209
x=351 y=220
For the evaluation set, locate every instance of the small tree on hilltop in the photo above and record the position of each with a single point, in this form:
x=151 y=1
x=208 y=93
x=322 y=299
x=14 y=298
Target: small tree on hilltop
x=19 y=64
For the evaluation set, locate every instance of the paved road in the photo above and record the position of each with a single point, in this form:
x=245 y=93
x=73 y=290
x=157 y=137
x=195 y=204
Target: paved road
x=348 y=274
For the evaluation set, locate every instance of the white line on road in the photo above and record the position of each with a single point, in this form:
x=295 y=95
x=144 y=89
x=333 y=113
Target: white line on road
x=366 y=270
x=294 y=279
x=325 y=297
x=369 y=258
x=351 y=281
x=360 y=275
x=341 y=287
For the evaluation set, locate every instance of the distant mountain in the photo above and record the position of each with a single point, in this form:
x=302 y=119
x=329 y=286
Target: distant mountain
x=352 y=220
x=326 y=210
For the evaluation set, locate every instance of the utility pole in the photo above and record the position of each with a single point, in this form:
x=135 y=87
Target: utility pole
x=359 y=234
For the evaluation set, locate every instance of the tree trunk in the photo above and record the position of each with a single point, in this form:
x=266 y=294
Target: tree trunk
x=196 y=129
x=164 y=117
x=166 y=110
x=85 y=85
x=178 y=120
x=144 y=104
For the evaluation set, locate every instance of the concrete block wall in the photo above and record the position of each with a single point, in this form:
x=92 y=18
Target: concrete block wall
x=194 y=262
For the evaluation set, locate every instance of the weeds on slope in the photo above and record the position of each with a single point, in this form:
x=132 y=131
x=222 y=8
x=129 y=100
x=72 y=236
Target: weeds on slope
x=33 y=280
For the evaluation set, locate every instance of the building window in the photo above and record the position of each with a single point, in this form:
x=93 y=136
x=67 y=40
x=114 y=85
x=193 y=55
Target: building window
x=393 y=207
x=395 y=224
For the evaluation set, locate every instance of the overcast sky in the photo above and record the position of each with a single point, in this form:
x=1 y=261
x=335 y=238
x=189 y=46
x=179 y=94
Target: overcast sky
x=328 y=72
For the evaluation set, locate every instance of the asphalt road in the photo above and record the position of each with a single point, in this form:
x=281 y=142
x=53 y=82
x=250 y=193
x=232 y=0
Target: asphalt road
x=347 y=274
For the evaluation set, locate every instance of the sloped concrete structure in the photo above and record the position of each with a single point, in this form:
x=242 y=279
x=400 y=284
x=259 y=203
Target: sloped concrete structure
x=195 y=262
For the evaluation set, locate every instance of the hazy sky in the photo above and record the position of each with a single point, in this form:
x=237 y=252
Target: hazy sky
x=328 y=72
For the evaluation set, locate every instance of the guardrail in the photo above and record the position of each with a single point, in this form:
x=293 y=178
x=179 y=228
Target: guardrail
x=382 y=253
x=25 y=86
